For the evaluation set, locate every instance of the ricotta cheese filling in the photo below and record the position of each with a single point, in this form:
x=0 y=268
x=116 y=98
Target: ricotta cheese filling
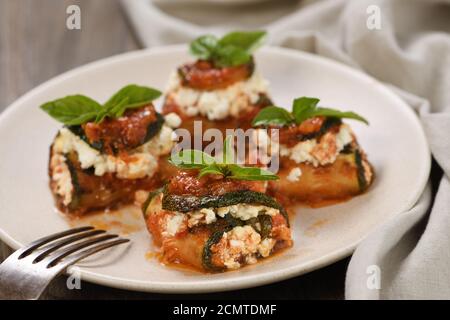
x=240 y=211
x=139 y=163
x=174 y=224
x=320 y=152
x=217 y=104
x=310 y=151
x=243 y=244
x=178 y=221
x=368 y=174
x=61 y=178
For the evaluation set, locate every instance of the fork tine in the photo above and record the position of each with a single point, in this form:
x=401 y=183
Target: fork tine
x=40 y=242
x=61 y=243
x=88 y=252
x=78 y=246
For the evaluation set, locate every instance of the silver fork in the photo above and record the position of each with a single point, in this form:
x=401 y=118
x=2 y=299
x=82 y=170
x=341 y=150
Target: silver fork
x=27 y=272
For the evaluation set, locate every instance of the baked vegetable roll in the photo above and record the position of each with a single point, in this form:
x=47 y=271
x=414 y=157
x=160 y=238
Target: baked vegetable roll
x=217 y=221
x=104 y=153
x=320 y=158
x=222 y=88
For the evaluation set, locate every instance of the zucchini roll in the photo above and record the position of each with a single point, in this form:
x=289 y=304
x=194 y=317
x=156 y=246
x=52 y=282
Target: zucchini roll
x=320 y=158
x=217 y=89
x=214 y=223
x=98 y=164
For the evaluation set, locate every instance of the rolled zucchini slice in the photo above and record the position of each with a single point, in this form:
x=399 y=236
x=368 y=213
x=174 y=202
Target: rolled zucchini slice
x=190 y=203
x=84 y=192
x=227 y=241
x=350 y=175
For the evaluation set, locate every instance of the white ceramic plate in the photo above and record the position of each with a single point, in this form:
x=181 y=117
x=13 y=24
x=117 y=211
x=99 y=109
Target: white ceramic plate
x=394 y=141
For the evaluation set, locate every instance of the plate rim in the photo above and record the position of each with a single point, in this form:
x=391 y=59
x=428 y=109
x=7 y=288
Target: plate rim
x=250 y=280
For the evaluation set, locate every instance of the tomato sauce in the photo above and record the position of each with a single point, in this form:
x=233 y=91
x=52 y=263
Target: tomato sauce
x=124 y=133
x=203 y=75
x=188 y=183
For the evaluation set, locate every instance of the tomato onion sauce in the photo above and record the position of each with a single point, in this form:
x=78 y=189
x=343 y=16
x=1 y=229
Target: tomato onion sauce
x=124 y=133
x=204 y=75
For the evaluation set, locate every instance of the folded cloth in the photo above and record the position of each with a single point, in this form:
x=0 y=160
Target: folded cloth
x=167 y=22
x=405 y=44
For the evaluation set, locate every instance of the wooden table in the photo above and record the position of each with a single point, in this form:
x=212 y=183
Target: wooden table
x=35 y=45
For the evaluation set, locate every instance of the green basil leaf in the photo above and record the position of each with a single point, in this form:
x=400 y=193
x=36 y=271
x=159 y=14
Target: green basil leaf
x=247 y=41
x=113 y=111
x=204 y=46
x=118 y=110
x=306 y=108
x=72 y=110
x=303 y=107
x=191 y=159
x=229 y=56
x=79 y=109
x=211 y=169
x=137 y=96
x=250 y=173
x=234 y=49
x=273 y=116
x=196 y=159
x=100 y=116
x=333 y=113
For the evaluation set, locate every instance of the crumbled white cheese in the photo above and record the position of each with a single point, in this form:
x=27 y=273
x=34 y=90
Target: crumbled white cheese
x=61 y=177
x=232 y=264
x=245 y=211
x=242 y=242
x=213 y=106
x=367 y=171
x=66 y=142
x=236 y=243
x=140 y=166
x=320 y=153
x=344 y=136
x=250 y=259
x=172 y=120
x=160 y=144
x=141 y=162
x=204 y=215
x=217 y=104
x=294 y=174
x=239 y=211
x=210 y=215
x=221 y=212
x=174 y=224
x=302 y=152
x=265 y=247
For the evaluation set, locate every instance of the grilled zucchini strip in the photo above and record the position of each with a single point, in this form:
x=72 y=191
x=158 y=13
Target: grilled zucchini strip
x=185 y=204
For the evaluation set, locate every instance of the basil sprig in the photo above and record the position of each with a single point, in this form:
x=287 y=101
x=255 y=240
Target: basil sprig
x=233 y=49
x=79 y=109
x=206 y=164
x=302 y=109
